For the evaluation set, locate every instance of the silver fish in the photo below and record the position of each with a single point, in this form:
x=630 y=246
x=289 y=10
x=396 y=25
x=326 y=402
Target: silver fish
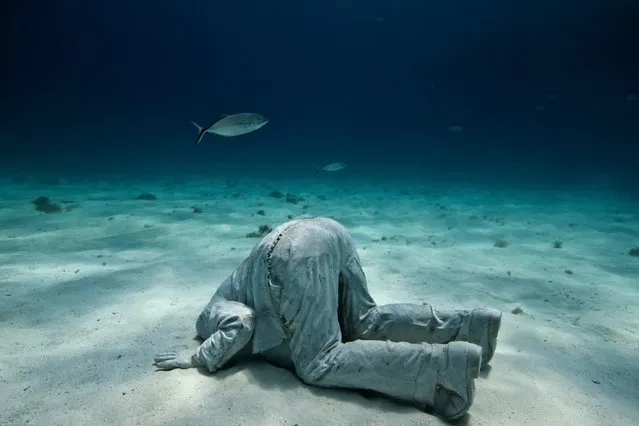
x=232 y=125
x=332 y=167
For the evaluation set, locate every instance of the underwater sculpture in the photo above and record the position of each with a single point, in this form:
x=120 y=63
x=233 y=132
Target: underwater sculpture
x=300 y=300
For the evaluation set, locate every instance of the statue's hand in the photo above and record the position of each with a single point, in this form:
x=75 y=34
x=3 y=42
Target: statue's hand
x=171 y=360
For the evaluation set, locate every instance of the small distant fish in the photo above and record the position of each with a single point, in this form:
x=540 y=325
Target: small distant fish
x=456 y=128
x=332 y=167
x=232 y=125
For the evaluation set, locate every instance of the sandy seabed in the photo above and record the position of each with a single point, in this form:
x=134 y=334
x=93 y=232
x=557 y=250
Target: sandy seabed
x=88 y=295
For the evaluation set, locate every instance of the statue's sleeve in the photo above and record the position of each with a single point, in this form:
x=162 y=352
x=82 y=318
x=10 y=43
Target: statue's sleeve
x=231 y=327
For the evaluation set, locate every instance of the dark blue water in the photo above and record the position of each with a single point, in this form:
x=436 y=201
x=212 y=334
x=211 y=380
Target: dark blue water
x=541 y=88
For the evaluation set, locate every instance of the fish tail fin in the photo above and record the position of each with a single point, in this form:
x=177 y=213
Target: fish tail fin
x=201 y=132
x=318 y=170
x=200 y=136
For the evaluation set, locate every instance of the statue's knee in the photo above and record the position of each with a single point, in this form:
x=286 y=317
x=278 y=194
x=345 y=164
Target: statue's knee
x=314 y=371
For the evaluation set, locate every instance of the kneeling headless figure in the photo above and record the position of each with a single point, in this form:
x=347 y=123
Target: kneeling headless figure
x=300 y=300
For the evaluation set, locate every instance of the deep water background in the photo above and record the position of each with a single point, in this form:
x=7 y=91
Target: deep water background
x=103 y=87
